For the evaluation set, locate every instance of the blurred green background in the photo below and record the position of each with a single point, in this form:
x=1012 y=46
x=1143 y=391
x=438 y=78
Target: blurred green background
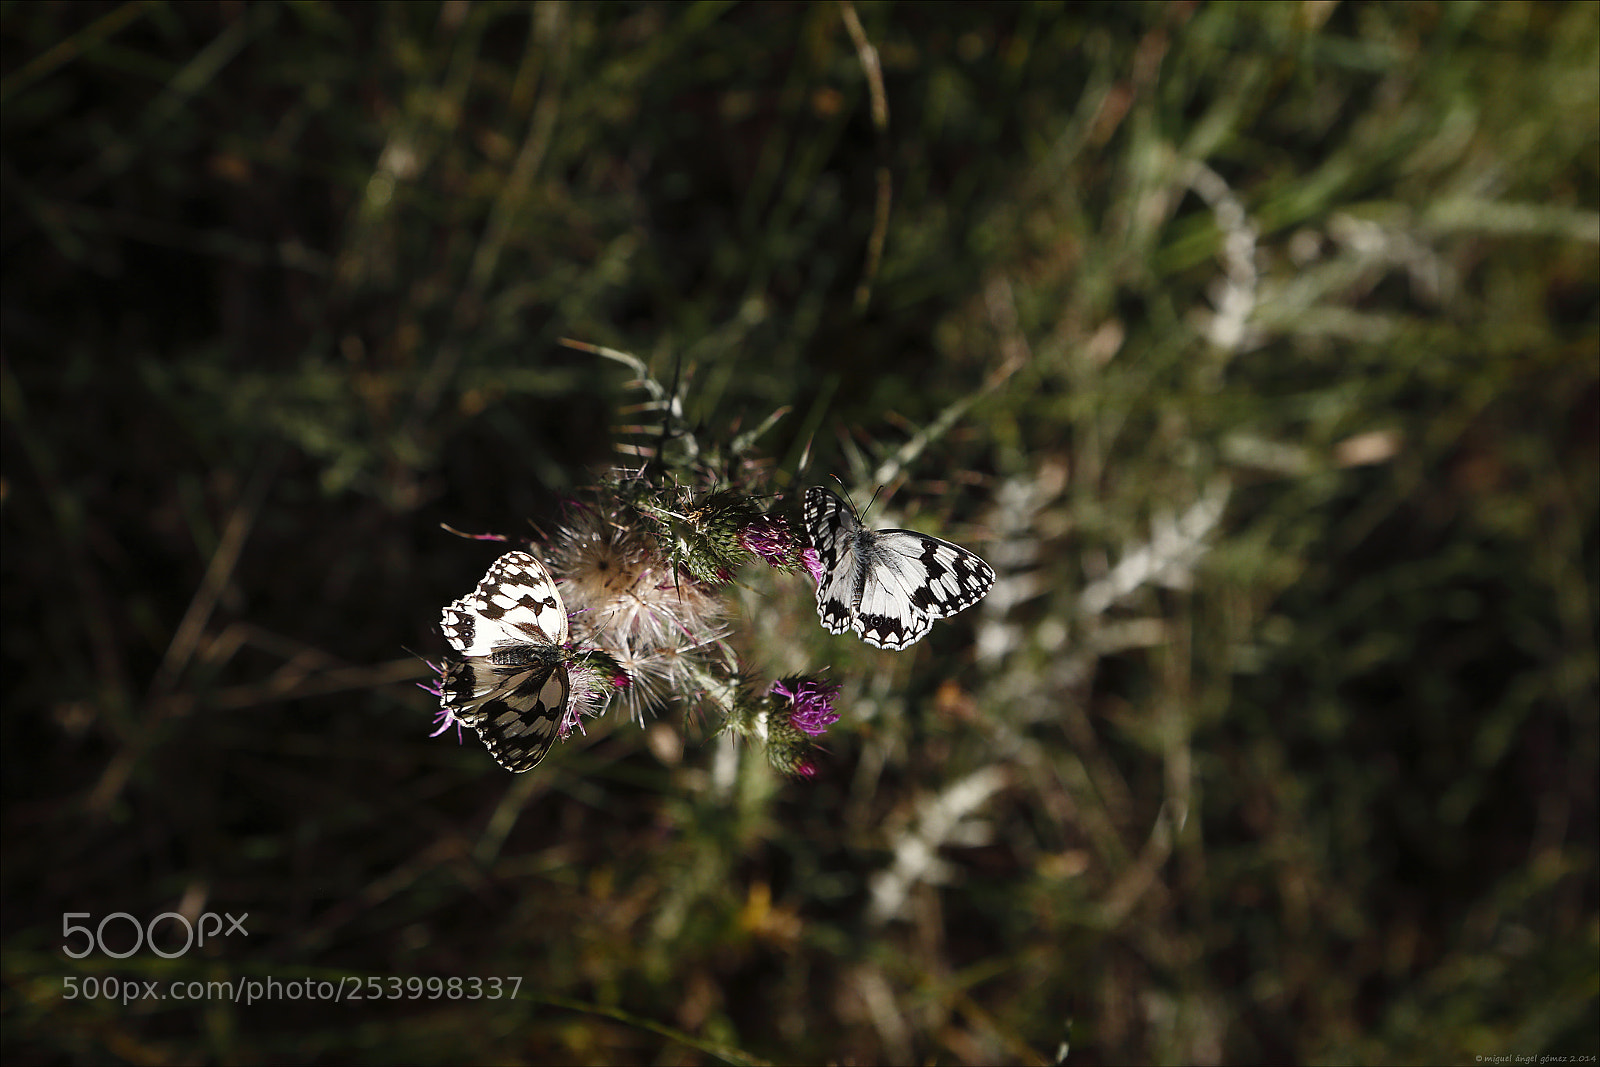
x=1278 y=330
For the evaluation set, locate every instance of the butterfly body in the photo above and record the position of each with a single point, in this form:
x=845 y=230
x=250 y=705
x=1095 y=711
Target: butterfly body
x=511 y=684
x=889 y=586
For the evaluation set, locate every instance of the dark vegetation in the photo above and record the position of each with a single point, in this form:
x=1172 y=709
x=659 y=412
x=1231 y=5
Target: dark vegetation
x=1279 y=328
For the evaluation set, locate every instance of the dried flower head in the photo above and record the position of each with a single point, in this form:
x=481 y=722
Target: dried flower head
x=619 y=591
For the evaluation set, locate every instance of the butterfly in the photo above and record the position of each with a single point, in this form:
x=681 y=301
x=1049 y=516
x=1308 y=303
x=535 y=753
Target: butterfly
x=887 y=585
x=510 y=684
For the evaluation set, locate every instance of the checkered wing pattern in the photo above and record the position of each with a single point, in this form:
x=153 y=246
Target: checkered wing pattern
x=510 y=683
x=889 y=586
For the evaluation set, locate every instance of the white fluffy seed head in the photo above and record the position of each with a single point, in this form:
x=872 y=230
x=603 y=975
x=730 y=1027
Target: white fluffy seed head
x=619 y=591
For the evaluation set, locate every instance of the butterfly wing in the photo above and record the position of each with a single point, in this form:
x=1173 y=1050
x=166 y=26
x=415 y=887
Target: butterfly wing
x=510 y=685
x=516 y=705
x=835 y=535
x=517 y=603
x=889 y=586
x=911 y=580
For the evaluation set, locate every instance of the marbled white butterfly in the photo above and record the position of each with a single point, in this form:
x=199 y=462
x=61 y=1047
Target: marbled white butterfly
x=887 y=585
x=510 y=685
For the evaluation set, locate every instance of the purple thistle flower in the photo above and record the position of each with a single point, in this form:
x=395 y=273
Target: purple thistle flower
x=813 y=563
x=571 y=720
x=435 y=685
x=812 y=712
x=769 y=539
x=444 y=718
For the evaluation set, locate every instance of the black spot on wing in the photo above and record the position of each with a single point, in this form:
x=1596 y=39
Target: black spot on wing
x=528 y=601
x=459 y=626
x=835 y=615
x=887 y=631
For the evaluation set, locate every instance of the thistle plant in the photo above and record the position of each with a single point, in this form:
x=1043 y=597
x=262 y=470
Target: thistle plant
x=627 y=600
x=644 y=570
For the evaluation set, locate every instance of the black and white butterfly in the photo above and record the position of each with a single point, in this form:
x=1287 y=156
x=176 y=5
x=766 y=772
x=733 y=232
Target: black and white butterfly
x=887 y=585
x=510 y=684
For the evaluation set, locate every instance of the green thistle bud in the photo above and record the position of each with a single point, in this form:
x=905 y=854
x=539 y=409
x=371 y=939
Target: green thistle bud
x=704 y=541
x=785 y=720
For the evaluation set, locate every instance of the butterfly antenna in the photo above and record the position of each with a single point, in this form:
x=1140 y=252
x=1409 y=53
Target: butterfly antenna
x=873 y=501
x=845 y=493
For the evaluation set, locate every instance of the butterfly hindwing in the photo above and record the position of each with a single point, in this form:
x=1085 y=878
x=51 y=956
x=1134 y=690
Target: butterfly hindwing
x=893 y=610
x=511 y=684
x=890 y=586
x=519 y=713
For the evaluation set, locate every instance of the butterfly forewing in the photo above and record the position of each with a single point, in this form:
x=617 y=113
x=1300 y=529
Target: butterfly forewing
x=831 y=526
x=516 y=603
x=511 y=685
x=834 y=534
x=888 y=585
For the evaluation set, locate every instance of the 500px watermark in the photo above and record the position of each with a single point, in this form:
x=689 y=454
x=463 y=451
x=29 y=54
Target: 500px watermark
x=146 y=935
x=251 y=990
